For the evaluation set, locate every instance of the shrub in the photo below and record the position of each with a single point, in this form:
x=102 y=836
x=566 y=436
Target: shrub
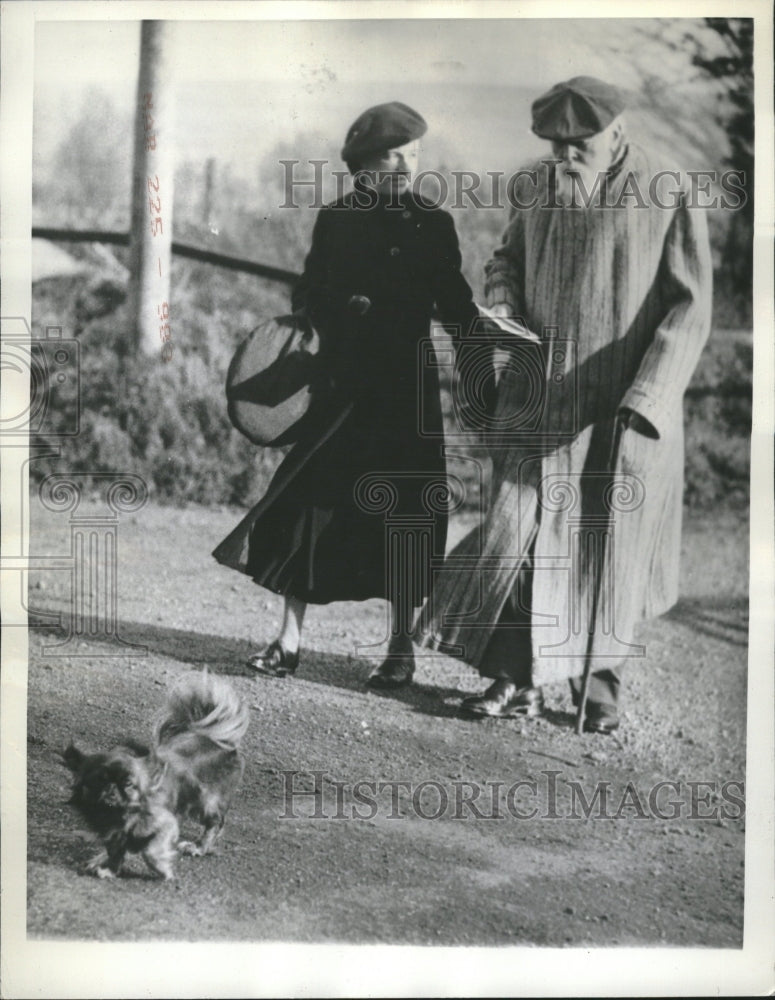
x=168 y=422
x=165 y=422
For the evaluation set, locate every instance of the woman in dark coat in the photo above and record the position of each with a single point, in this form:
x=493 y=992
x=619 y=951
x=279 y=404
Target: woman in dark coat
x=381 y=258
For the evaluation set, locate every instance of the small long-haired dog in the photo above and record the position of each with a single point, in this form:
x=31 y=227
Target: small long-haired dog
x=133 y=796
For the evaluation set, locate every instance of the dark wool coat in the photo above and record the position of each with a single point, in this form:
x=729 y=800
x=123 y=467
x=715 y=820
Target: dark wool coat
x=372 y=449
x=622 y=298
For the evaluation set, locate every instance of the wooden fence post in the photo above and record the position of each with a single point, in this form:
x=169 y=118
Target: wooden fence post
x=152 y=191
x=208 y=217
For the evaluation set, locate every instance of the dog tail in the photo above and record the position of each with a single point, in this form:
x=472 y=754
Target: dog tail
x=207 y=706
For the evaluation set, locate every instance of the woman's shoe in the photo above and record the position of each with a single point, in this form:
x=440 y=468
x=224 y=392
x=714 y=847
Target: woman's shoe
x=393 y=672
x=274 y=661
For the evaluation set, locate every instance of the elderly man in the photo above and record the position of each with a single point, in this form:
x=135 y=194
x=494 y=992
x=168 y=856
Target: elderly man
x=607 y=262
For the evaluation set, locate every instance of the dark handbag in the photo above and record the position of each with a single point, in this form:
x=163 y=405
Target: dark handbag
x=271 y=380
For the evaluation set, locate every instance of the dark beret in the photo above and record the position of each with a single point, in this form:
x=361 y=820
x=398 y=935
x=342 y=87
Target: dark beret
x=385 y=126
x=576 y=109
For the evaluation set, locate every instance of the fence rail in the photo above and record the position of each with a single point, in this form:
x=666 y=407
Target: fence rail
x=289 y=278
x=180 y=249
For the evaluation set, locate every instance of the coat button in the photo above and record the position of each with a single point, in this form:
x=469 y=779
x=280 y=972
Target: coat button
x=394 y=251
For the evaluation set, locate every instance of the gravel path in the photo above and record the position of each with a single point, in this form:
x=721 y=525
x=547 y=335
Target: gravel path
x=537 y=872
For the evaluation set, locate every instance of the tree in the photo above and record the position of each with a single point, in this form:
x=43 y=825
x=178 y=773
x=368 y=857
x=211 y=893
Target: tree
x=733 y=68
x=92 y=166
x=696 y=78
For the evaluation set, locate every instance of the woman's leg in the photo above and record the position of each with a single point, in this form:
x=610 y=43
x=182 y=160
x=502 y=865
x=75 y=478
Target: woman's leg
x=397 y=669
x=281 y=657
x=400 y=643
x=293 y=619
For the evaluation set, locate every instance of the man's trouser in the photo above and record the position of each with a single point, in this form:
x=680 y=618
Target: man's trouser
x=509 y=654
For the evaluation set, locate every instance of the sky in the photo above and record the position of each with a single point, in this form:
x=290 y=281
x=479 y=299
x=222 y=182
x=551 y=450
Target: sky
x=318 y=53
x=243 y=87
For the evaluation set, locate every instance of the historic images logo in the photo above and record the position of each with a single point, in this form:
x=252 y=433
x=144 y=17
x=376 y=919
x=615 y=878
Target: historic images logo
x=548 y=796
x=522 y=190
x=41 y=406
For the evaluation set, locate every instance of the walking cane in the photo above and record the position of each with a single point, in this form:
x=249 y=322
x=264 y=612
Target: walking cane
x=587 y=676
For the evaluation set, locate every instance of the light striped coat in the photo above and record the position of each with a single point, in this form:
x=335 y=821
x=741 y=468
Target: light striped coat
x=622 y=299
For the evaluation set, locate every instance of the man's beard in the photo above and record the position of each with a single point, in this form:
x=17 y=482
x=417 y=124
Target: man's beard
x=582 y=184
x=578 y=184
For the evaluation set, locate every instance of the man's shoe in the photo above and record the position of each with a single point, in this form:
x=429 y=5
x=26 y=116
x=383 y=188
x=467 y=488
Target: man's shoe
x=274 y=661
x=504 y=700
x=393 y=672
x=600 y=718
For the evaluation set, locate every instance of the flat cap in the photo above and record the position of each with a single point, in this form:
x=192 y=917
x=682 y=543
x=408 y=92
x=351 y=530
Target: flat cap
x=385 y=126
x=576 y=109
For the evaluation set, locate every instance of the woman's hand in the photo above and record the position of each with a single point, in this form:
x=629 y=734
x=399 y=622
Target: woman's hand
x=502 y=311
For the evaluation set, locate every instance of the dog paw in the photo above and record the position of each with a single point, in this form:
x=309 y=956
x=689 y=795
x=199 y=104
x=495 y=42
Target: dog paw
x=100 y=871
x=190 y=848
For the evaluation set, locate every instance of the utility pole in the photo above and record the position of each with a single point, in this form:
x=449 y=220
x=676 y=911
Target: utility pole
x=152 y=191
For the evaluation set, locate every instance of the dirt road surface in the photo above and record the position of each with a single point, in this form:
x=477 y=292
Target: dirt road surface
x=539 y=873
